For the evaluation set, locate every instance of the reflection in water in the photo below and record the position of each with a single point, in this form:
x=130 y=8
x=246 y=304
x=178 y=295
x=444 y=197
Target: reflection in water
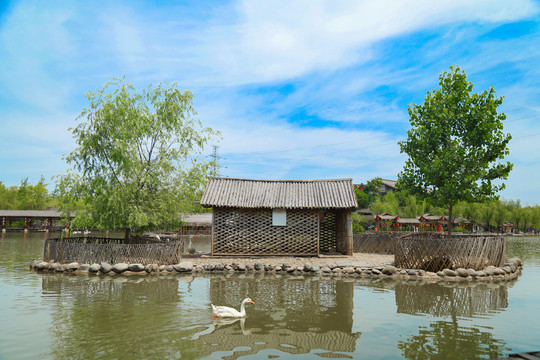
x=293 y=315
x=117 y=317
x=451 y=299
x=446 y=339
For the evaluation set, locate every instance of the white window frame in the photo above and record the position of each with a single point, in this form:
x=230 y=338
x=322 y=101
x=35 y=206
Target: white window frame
x=279 y=217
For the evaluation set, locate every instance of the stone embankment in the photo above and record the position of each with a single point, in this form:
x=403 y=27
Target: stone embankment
x=510 y=270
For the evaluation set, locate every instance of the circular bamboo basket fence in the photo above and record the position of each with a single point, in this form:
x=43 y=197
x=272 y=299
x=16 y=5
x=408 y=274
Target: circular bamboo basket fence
x=97 y=250
x=435 y=252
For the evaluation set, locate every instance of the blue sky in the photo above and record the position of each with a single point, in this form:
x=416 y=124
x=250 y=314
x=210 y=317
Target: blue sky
x=299 y=89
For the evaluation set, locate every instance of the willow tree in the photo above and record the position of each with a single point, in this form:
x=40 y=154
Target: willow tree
x=454 y=144
x=136 y=164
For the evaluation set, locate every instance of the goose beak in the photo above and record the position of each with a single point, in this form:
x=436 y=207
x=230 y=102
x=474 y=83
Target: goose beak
x=252 y=302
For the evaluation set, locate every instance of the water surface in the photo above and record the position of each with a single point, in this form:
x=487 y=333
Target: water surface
x=66 y=316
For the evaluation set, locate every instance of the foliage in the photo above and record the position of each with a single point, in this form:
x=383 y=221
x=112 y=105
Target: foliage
x=25 y=196
x=357 y=221
x=454 y=144
x=135 y=164
x=362 y=198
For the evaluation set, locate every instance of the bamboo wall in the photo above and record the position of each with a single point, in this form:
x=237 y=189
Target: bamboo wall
x=250 y=232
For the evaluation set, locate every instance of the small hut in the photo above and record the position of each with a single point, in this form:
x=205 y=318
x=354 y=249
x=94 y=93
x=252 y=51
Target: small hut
x=432 y=222
x=280 y=217
x=386 y=222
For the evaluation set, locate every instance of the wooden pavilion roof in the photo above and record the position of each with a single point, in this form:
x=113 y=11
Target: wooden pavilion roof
x=279 y=194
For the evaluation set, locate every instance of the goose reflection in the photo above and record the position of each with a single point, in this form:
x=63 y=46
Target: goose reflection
x=226 y=322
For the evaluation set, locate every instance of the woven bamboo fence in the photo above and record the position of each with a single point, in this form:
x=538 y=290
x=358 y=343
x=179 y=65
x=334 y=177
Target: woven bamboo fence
x=375 y=243
x=97 y=250
x=435 y=252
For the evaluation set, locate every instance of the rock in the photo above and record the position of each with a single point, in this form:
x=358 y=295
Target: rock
x=500 y=271
x=515 y=260
x=480 y=274
x=462 y=272
x=155 y=267
x=72 y=266
x=291 y=269
x=421 y=272
x=105 y=267
x=120 y=268
x=326 y=270
x=61 y=268
x=277 y=268
x=412 y=272
x=84 y=267
x=241 y=267
x=220 y=267
x=285 y=266
x=348 y=270
x=258 y=266
x=197 y=269
x=249 y=267
x=299 y=268
x=136 y=267
x=307 y=267
x=161 y=267
x=184 y=266
x=508 y=268
x=376 y=272
x=94 y=268
x=228 y=267
x=430 y=273
x=336 y=270
x=448 y=272
x=389 y=270
x=314 y=268
x=490 y=270
x=366 y=271
x=440 y=273
x=53 y=266
x=169 y=268
x=472 y=272
x=148 y=268
x=403 y=272
x=41 y=265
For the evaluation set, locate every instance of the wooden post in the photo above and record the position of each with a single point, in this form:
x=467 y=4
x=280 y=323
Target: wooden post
x=349 y=233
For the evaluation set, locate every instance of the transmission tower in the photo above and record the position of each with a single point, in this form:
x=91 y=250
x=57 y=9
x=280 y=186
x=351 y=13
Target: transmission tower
x=215 y=159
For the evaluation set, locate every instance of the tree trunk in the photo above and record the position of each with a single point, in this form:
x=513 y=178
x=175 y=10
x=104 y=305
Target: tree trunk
x=450 y=222
x=127 y=237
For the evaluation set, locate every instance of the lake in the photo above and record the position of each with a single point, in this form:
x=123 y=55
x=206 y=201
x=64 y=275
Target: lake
x=67 y=316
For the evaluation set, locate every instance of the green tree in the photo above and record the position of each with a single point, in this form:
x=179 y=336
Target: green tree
x=516 y=213
x=487 y=212
x=500 y=214
x=454 y=144
x=135 y=165
x=361 y=197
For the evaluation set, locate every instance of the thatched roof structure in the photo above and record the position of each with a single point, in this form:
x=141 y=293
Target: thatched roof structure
x=279 y=194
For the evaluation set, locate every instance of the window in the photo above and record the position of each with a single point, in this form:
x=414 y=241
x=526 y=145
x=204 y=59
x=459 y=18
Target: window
x=279 y=217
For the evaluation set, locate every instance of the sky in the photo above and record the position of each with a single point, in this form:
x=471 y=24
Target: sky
x=299 y=89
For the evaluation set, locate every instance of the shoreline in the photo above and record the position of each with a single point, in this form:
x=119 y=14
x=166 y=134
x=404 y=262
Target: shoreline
x=358 y=265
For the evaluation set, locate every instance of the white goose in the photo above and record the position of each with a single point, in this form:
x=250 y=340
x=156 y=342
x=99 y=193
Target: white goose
x=225 y=311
